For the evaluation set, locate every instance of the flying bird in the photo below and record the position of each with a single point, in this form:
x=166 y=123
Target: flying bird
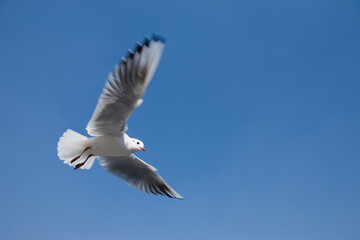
x=110 y=144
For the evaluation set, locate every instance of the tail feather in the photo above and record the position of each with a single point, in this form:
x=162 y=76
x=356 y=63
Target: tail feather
x=70 y=146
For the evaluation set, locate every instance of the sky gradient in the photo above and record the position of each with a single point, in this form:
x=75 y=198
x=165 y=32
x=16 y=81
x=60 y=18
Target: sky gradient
x=253 y=116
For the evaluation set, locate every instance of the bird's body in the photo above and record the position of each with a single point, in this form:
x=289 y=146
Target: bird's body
x=110 y=144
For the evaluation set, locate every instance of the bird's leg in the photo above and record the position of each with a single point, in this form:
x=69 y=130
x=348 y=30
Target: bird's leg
x=82 y=164
x=76 y=158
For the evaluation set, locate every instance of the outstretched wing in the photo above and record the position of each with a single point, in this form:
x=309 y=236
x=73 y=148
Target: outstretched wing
x=125 y=87
x=138 y=174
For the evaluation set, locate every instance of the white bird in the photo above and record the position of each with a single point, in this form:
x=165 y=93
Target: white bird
x=121 y=95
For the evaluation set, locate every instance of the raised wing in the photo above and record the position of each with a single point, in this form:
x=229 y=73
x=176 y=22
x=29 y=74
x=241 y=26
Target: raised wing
x=125 y=87
x=138 y=174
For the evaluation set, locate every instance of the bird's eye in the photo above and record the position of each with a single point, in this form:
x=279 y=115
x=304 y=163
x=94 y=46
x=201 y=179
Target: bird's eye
x=138 y=143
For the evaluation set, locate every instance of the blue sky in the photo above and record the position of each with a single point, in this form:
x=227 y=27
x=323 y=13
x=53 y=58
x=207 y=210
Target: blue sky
x=253 y=116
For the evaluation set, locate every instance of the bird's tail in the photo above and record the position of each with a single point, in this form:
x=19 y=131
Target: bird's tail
x=74 y=151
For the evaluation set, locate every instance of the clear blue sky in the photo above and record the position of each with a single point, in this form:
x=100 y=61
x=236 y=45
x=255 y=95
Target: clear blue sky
x=253 y=116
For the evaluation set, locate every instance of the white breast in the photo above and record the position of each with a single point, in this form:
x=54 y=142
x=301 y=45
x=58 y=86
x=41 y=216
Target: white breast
x=109 y=146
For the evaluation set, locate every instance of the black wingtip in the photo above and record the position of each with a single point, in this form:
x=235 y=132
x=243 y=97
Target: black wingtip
x=130 y=54
x=139 y=46
x=158 y=38
x=154 y=37
x=146 y=41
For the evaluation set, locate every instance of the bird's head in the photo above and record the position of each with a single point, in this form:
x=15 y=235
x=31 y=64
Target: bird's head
x=138 y=145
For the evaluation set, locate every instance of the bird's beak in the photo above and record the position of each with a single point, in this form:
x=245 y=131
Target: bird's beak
x=143 y=149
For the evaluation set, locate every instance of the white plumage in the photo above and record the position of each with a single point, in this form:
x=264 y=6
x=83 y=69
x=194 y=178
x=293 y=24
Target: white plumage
x=121 y=96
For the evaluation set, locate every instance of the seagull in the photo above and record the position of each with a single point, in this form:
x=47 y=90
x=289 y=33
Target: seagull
x=109 y=143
